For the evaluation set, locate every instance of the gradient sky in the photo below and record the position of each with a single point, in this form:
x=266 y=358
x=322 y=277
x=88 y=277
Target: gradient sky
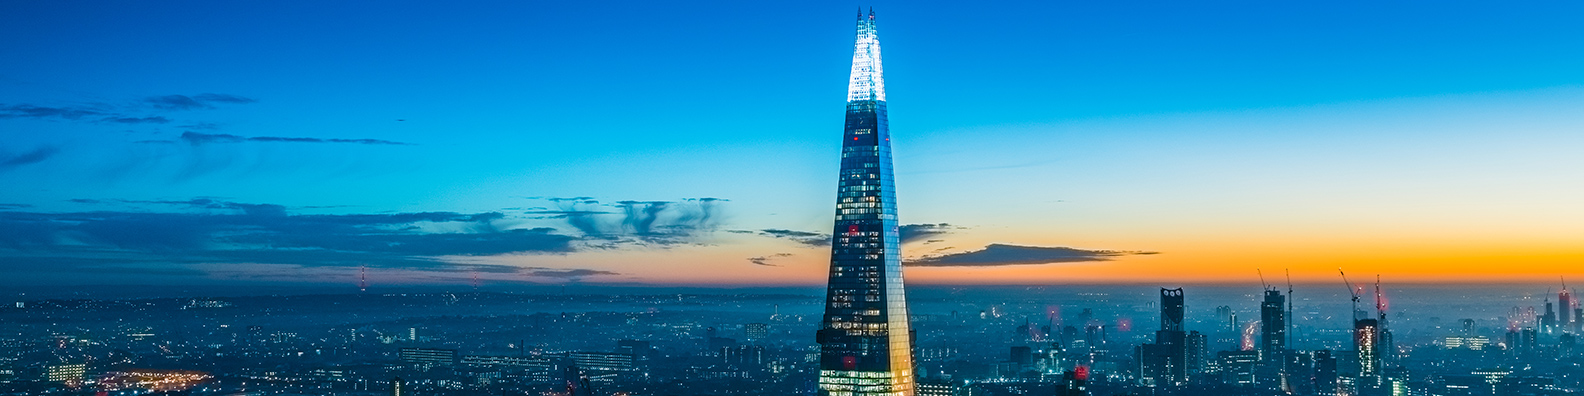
x=696 y=143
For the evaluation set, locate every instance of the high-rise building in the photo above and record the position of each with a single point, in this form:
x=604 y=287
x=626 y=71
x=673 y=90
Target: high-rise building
x=1565 y=310
x=1578 y=319
x=1548 y=321
x=866 y=344
x=1171 y=309
x=1198 y=352
x=1366 y=340
x=1165 y=362
x=756 y=332
x=398 y=387
x=1273 y=326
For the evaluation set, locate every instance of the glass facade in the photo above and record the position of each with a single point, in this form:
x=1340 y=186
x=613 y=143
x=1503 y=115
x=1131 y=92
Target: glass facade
x=866 y=345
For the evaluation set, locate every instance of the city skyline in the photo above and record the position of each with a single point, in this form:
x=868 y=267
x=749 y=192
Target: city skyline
x=1051 y=144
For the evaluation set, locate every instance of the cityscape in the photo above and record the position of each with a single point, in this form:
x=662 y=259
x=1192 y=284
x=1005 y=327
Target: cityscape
x=206 y=250
x=1098 y=340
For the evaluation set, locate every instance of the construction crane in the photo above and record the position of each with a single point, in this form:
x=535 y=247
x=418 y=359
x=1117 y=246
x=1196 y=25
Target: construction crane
x=1351 y=293
x=1290 y=318
x=1380 y=302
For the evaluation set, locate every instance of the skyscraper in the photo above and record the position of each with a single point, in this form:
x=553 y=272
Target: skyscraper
x=1565 y=310
x=865 y=344
x=1273 y=325
x=1366 y=343
x=1165 y=363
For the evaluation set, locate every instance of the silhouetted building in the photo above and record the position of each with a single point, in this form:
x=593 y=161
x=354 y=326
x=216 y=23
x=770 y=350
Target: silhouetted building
x=639 y=349
x=1198 y=352
x=1022 y=356
x=1565 y=310
x=1074 y=382
x=1273 y=326
x=1165 y=362
x=1325 y=373
x=398 y=387
x=1238 y=367
x=866 y=345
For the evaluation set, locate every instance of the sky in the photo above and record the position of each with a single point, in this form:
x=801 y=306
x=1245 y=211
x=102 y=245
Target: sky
x=654 y=143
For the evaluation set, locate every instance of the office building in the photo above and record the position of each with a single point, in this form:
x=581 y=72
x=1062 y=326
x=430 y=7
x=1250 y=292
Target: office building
x=866 y=344
x=429 y=356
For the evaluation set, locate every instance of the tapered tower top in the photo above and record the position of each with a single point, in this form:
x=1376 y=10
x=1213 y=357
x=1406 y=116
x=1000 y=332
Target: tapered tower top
x=867 y=81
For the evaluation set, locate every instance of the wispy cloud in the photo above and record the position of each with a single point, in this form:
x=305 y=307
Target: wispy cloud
x=999 y=254
x=803 y=237
x=915 y=232
x=765 y=260
x=568 y=274
x=137 y=120
x=34 y=111
x=197 y=138
x=199 y=101
x=8 y=161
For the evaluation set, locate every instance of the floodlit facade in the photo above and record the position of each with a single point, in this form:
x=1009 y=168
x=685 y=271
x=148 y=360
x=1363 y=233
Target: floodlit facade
x=866 y=347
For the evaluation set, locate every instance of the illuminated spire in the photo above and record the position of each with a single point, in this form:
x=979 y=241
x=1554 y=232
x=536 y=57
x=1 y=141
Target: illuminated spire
x=867 y=82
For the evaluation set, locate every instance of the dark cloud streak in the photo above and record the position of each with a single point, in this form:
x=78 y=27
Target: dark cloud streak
x=999 y=255
x=196 y=138
x=40 y=154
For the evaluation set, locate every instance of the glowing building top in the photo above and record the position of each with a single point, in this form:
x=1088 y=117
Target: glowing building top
x=868 y=82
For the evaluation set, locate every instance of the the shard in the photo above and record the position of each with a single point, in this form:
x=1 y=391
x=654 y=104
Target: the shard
x=866 y=346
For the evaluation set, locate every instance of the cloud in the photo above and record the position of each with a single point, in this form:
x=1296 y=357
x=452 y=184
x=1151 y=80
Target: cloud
x=196 y=138
x=207 y=126
x=804 y=237
x=765 y=260
x=999 y=254
x=8 y=161
x=14 y=206
x=199 y=101
x=915 y=232
x=223 y=98
x=646 y=222
x=215 y=231
x=137 y=120
x=572 y=274
x=32 y=111
x=906 y=233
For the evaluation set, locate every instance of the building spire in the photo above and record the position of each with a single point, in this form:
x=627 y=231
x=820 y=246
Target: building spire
x=868 y=82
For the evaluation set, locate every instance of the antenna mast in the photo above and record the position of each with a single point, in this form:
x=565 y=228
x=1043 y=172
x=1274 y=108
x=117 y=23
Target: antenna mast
x=362 y=278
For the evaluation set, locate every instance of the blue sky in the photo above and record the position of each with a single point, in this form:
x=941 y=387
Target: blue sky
x=1134 y=126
